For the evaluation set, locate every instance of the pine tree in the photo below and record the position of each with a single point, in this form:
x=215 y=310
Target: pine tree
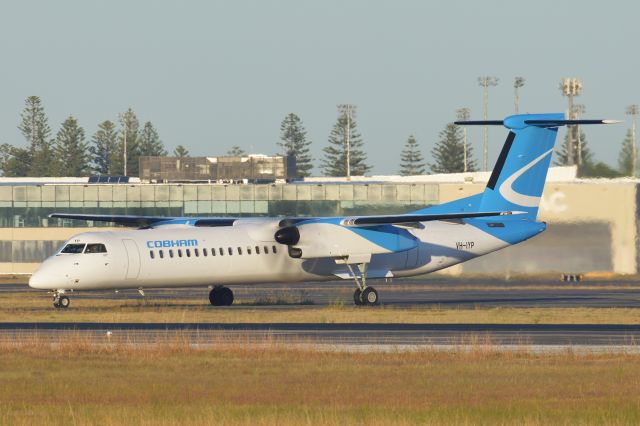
x=70 y=150
x=625 y=158
x=236 y=151
x=411 y=160
x=294 y=143
x=35 y=128
x=150 y=143
x=562 y=155
x=335 y=154
x=104 y=148
x=448 y=153
x=17 y=163
x=129 y=123
x=180 y=151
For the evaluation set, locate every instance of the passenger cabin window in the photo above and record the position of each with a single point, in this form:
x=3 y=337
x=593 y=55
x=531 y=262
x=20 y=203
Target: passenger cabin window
x=170 y=253
x=240 y=250
x=73 y=248
x=221 y=251
x=179 y=253
x=161 y=253
x=188 y=252
x=257 y=250
x=204 y=252
x=266 y=250
x=95 y=248
x=274 y=249
x=248 y=250
x=195 y=251
x=230 y=250
x=151 y=254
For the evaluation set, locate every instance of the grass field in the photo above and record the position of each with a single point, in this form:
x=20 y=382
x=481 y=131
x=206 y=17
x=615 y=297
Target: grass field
x=173 y=383
x=31 y=306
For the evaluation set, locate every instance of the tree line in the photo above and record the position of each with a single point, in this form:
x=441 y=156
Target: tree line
x=69 y=153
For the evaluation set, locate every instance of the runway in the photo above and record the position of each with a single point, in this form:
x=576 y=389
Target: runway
x=412 y=294
x=438 y=292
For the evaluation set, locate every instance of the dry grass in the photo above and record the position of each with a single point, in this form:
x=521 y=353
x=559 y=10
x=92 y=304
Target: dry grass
x=176 y=383
x=23 y=306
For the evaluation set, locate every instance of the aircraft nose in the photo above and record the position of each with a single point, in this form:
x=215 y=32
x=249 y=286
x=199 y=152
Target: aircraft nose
x=38 y=280
x=43 y=280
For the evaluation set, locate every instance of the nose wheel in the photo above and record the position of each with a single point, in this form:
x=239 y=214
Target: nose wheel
x=221 y=296
x=60 y=301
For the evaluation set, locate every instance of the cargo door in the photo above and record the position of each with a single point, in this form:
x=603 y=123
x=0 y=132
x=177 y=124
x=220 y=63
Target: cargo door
x=133 y=256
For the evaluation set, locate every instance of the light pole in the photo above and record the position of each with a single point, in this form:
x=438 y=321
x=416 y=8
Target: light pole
x=463 y=114
x=632 y=110
x=570 y=87
x=517 y=83
x=578 y=110
x=485 y=83
x=123 y=118
x=348 y=111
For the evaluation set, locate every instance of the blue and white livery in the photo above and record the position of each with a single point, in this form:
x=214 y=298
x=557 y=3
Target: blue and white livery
x=214 y=252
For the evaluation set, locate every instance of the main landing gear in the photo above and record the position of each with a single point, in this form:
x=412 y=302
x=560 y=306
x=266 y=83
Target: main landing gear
x=60 y=301
x=221 y=296
x=364 y=295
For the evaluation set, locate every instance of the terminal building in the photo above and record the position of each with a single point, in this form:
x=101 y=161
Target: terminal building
x=592 y=224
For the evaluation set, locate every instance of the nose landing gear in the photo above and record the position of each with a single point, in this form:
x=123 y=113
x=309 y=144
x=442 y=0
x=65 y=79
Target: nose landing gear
x=60 y=300
x=221 y=296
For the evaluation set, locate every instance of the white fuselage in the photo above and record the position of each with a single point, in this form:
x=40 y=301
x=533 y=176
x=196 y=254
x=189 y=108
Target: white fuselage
x=245 y=253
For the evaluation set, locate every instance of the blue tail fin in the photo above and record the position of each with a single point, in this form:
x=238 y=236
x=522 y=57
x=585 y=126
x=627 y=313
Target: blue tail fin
x=518 y=177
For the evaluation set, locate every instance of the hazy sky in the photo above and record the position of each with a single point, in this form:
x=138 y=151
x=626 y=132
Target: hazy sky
x=212 y=74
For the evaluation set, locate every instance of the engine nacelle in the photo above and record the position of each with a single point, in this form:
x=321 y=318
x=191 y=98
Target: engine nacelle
x=322 y=239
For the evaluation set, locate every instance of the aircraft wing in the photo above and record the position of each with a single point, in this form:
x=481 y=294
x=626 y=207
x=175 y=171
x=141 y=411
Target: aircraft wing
x=131 y=220
x=413 y=218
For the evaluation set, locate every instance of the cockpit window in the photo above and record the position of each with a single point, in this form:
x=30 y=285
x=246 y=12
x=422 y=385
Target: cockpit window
x=95 y=248
x=73 y=248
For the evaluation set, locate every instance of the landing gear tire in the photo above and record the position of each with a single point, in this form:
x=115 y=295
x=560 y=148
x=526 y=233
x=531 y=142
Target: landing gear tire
x=61 y=302
x=221 y=296
x=357 y=297
x=369 y=296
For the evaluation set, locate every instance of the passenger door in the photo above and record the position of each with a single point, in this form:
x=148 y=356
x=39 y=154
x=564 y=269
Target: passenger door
x=133 y=255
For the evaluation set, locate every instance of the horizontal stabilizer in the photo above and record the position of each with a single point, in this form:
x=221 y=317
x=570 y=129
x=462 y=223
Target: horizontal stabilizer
x=412 y=218
x=537 y=123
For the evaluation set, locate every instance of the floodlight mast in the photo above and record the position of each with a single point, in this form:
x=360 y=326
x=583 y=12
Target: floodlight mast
x=517 y=84
x=570 y=87
x=632 y=110
x=485 y=83
x=463 y=114
x=349 y=111
x=123 y=117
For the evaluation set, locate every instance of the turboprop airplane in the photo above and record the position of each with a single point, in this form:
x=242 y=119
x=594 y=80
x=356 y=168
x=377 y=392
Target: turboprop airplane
x=207 y=251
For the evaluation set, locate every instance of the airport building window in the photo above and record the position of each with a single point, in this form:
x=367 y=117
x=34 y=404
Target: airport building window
x=240 y=251
x=95 y=248
x=179 y=253
x=188 y=252
x=151 y=255
x=257 y=250
x=170 y=253
x=161 y=253
x=274 y=249
x=73 y=248
x=230 y=250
